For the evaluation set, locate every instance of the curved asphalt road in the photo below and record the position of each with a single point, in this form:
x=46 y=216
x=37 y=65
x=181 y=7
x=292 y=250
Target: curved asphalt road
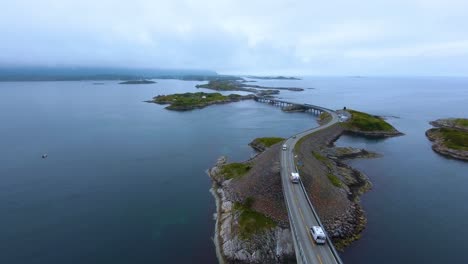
x=301 y=215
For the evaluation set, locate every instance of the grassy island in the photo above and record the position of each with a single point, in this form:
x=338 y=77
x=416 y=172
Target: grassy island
x=366 y=122
x=189 y=101
x=369 y=125
x=450 y=137
x=453 y=138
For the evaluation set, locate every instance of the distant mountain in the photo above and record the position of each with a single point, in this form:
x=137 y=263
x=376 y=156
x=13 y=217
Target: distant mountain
x=96 y=73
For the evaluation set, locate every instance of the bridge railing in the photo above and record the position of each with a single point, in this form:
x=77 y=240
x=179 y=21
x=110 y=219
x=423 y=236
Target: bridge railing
x=297 y=245
x=329 y=242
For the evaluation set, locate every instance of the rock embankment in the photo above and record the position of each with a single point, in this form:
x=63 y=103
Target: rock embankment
x=450 y=137
x=261 y=184
x=333 y=186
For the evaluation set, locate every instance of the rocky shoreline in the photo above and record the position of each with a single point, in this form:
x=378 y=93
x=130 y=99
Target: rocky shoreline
x=370 y=134
x=442 y=138
x=270 y=246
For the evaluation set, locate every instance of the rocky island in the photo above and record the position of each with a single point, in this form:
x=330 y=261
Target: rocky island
x=250 y=194
x=190 y=101
x=364 y=124
x=450 y=137
x=137 y=82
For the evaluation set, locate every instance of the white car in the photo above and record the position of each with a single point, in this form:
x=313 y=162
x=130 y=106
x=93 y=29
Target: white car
x=285 y=147
x=318 y=234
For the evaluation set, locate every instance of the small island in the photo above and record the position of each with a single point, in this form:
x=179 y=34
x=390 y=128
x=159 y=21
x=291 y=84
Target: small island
x=272 y=77
x=190 y=101
x=363 y=124
x=450 y=137
x=137 y=82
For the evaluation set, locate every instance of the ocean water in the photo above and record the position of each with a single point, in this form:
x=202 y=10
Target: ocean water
x=125 y=181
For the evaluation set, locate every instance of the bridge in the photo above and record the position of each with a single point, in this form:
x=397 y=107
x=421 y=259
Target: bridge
x=286 y=105
x=301 y=212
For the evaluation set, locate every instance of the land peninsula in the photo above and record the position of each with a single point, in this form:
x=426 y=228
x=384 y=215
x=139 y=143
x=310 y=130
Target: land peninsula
x=252 y=222
x=450 y=137
x=368 y=125
x=272 y=77
x=190 y=101
x=235 y=85
x=137 y=82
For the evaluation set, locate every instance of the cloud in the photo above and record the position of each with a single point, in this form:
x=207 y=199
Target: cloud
x=443 y=49
x=303 y=36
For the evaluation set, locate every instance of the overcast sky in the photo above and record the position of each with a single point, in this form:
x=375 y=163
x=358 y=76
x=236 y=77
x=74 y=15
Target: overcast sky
x=367 y=37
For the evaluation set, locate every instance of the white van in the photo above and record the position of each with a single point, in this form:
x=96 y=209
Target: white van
x=285 y=147
x=318 y=234
x=294 y=177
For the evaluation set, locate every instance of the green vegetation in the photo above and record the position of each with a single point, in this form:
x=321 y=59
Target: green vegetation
x=250 y=221
x=235 y=170
x=318 y=156
x=366 y=122
x=324 y=116
x=220 y=86
x=268 y=141
x=187 y=101
x=463 y=122
x=334 y=180
x=454 y=138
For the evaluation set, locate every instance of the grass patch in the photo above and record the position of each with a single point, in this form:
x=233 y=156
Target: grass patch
x=454 y=139
x=334 y=180
x=366 y=122
x=318 y=156
x=461 y=122
x=235 y=170
x=324 y=116
x=250 y=221
x=268 y=141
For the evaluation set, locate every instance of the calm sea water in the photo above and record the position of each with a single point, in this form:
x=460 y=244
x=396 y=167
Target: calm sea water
x=125 y=180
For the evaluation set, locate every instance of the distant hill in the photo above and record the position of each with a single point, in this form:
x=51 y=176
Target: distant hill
x=96 y=73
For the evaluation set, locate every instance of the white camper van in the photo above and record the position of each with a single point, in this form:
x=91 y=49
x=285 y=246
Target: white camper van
x=294 y=177
x=285 y=147
x=318 y=234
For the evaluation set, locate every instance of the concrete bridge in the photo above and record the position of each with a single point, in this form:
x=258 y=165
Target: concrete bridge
x=286 y=105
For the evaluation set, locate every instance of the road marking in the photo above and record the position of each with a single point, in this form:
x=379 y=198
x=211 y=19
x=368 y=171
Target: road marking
x=303 y=220
x=319 y=258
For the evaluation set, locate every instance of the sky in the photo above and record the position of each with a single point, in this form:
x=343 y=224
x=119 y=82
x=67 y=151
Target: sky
x=304 y=37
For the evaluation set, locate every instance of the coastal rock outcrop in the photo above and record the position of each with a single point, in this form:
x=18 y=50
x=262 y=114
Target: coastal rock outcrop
x=450 y=137
x=272 y=245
